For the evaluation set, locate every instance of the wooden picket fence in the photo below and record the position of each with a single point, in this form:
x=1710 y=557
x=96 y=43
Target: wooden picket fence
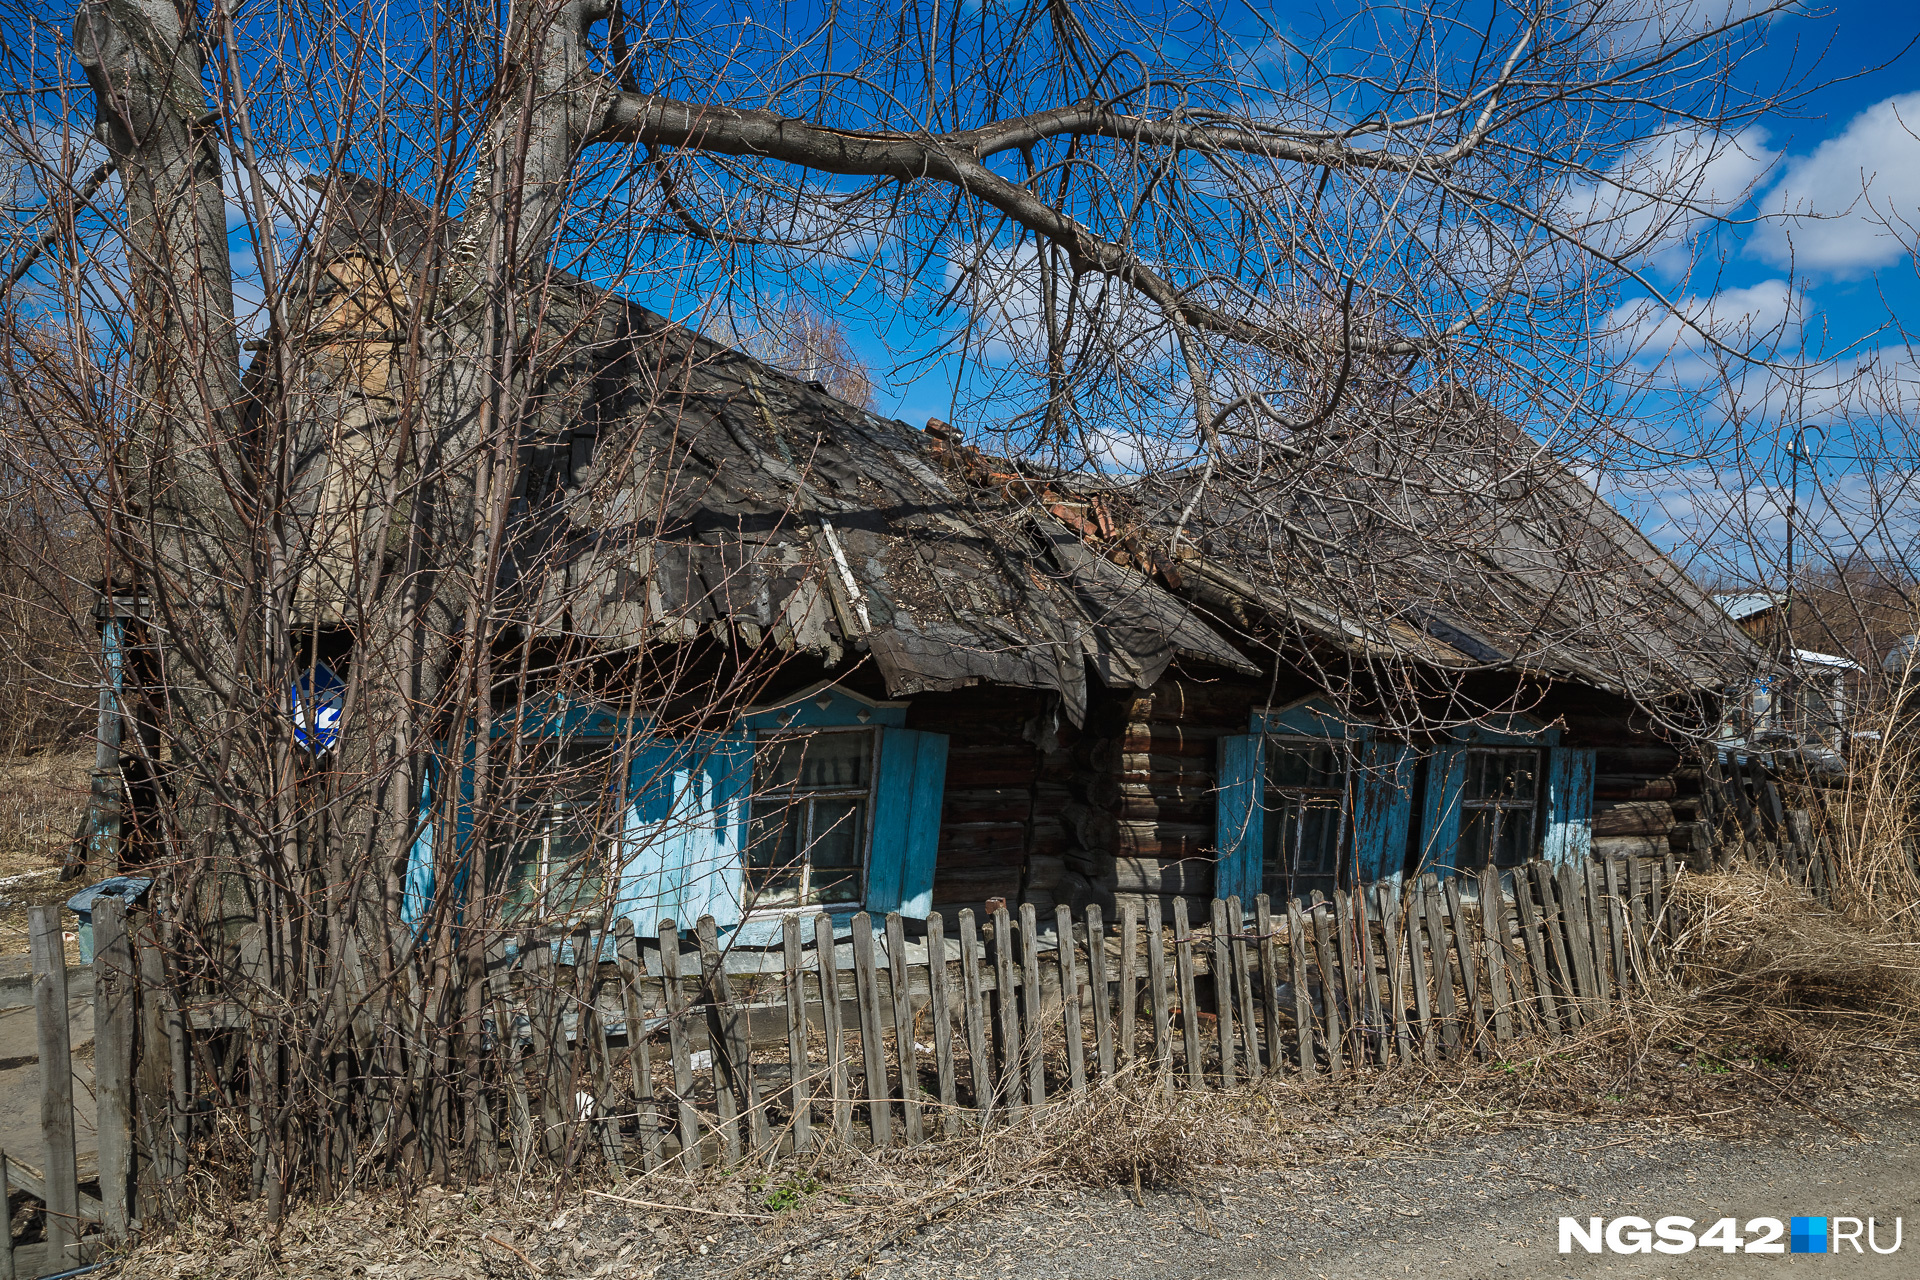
x=627 y=1054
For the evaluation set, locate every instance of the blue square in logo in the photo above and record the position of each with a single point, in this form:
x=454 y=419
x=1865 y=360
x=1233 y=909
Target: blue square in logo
x=1809 y=1235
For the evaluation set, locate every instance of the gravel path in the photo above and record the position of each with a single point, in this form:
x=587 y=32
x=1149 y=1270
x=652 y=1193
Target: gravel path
x=1486 y=1207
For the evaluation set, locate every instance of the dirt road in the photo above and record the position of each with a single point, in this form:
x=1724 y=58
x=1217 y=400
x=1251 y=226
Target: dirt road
x=1484 y=1207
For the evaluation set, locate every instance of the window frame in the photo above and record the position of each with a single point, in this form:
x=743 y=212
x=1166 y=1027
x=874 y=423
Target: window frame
x=605 y=847
x=804 y=799
x=1535 y=809
x=1273 y=838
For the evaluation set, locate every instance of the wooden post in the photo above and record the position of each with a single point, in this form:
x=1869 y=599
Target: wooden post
x=1552 y=923
x=1614 y=911
x=1469 y=960
x=1129 y=981
x=113 y=1061
x=1099 y=990
x=1331 y=995
x=903 y=1049
x=1420 y=973
x=1388 y=902
x=691 y=1155
x=1579 y=943
x=940 y=1005
x=162 y=1132
x=1159 y=1006
x=1346 y=955
x=1433 y=897
x=1072 y=1020
x=1302 y=995
x=1189 y=1013
x=717 y=998
x=1594 y=902
x=872 y=1049
x=793 y=983
x=1498 y=993
x=1369 y=980
x=1243 y=988
x=626 y=947
x=56 y=1084
x=978 y=1065
x=1222 y=987
x=1007 y=996
x=1269 y=980
x=1033 y=1030
x=1536 y=952
x=835 y=1029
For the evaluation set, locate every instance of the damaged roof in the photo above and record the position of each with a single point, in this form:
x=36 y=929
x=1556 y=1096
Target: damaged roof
x=674 y=487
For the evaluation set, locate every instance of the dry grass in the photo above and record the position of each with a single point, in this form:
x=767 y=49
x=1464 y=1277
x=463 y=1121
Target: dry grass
x=42 y=797
x=1771 y=994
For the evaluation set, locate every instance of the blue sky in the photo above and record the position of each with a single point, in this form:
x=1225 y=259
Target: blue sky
x=1828 y=289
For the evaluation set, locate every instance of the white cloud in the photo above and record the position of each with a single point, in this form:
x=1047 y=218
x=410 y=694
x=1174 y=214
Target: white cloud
x=1853 y=203
x=1658 y=198
x=1759 y=318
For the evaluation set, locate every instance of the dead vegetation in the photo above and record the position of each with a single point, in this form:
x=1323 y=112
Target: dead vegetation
x=1770 y=997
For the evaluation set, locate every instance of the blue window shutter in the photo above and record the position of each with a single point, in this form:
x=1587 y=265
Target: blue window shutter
x=1239 y=817
x=909 y=784
x=1569 y=836
x=1382 y=808
x=1440 y=822
x=715 y=800
x=651 y=847
x=417 y=892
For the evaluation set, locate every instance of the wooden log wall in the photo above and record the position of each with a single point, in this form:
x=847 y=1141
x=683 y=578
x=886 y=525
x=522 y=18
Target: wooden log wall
x=1150 y=786
x=1004 y=830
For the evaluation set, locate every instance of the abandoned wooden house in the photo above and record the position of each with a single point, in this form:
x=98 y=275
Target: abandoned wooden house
x=1005 y=682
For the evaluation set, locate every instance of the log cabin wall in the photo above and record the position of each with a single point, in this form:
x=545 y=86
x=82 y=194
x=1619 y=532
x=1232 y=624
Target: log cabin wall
x=1003 y=829
x=1646 y=791
x=1147 y=772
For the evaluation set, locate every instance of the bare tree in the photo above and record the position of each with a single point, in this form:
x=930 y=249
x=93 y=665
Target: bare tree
x=1180 y=243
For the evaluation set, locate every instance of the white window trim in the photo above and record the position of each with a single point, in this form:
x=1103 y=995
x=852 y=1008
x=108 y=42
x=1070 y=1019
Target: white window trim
x=1536 y=808
x=605 y=845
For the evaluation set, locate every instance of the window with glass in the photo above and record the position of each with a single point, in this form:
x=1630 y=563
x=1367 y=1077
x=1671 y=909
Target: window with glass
x=549 y=853
x=1306 y=814
x=812 y=801
x=1500 y=808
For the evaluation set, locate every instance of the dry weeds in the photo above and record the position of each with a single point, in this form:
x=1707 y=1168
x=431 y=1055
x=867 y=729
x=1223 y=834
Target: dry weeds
x=1774 y=998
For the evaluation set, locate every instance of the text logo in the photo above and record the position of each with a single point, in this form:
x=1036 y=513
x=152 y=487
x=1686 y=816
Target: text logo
x=1762 y=1235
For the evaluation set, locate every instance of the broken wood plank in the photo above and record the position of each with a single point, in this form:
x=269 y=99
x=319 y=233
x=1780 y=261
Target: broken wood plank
x=1222 y=973
x=831 y=1018
x=1099 y=992
x=1189 y=1007
x=873 y=1059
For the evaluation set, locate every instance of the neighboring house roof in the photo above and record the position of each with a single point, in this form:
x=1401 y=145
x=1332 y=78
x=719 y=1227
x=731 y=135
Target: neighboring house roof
x=1742 y=605
x=1807 y=657
x=726 y=493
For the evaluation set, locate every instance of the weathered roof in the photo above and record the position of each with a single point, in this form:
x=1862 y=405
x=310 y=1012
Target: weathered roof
x=725 y=497
x=1446 y=535
x=1742 y=605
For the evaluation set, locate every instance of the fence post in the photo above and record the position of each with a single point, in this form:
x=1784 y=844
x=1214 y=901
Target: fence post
x=112 y=1059
x=56 y=1084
